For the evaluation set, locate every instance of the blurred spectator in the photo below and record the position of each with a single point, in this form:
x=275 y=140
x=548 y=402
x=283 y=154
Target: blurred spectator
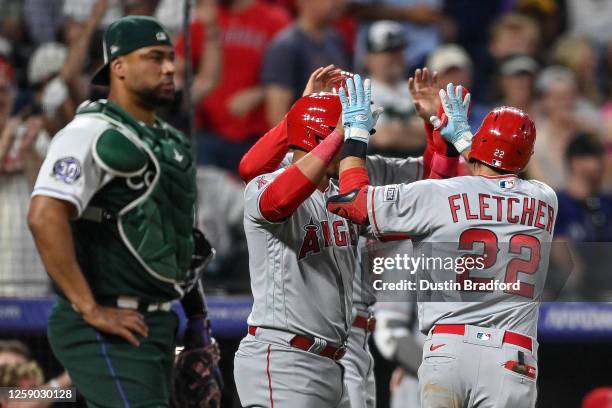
x=514 y=34
x=515 y=83
x=78 y=11
x=590 y=19
x=232 y=117
x=21 y=375
x=43 y=19
x=399 y=132
x=585 y=215
x=579 y=55
x=23 y=143
x=510 y=34
x=453 y=64
x=561 y=113
x=297 y=51
x=420 y=19
x=13 y=352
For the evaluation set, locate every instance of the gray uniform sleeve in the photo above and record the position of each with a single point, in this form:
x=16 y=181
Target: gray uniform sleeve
x=252 y=195
x=69 y=171
x=386 y=170
x=399 y=209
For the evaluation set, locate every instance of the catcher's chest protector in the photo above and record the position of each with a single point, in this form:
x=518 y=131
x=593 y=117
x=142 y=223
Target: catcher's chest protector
x=154 y=190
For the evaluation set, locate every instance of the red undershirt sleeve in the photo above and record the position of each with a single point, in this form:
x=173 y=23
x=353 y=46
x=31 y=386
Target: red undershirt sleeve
x=266 y=154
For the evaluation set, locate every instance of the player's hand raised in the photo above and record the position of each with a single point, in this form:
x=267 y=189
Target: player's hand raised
x=424 y=91
x=357 y=115
x=120 y=322
x=325 y=79
x=455 y=128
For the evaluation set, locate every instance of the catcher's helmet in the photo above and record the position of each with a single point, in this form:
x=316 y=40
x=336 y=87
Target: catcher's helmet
x=505 y=139
x=311 y=119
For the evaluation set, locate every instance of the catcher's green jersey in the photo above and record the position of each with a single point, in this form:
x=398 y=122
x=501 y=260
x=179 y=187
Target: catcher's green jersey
x=134 y=190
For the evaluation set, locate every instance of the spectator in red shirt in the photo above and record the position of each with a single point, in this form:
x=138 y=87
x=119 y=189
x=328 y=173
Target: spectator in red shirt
x=231 y=117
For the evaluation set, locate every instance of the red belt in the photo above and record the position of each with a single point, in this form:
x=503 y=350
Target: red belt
x=305 y=343
x=509 y=337
x=367 y=323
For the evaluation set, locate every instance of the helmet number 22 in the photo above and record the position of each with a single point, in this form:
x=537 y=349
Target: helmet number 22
x=499 y=153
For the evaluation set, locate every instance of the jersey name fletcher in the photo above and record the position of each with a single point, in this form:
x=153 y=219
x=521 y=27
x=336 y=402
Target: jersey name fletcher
x=513 y=210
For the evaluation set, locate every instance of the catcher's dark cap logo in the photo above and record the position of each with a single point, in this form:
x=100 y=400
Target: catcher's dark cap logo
x=126 y=35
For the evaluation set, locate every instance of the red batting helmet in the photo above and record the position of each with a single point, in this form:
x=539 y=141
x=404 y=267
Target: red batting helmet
x=505 y=139
x=311 y=119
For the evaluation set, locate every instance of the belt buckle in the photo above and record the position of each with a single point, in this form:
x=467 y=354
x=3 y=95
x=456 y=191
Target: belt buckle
x=339 y=353
x=371 y=321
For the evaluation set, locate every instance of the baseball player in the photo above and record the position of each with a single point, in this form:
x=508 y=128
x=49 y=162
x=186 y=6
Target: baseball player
x=112 y=216
x=266 y=155
x=481 y=322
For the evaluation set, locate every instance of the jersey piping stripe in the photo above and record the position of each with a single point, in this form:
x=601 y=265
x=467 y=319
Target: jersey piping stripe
x=373 y=213
x=126 y=404
x=498 y=176
x=269 y=376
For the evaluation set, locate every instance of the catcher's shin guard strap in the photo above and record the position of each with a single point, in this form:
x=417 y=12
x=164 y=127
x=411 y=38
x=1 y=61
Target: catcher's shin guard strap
x=353 y=205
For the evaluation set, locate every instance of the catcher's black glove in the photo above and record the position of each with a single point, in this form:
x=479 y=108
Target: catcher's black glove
x=197 y=381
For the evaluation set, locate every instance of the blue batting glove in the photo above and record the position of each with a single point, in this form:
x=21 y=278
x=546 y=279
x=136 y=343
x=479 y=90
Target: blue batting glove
x=357 y=115
x=457 y=130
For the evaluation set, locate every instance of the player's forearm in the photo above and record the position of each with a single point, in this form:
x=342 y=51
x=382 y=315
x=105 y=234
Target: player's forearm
x=209 y=69
x=265 y=155
x=49 y=222
x=290 y=189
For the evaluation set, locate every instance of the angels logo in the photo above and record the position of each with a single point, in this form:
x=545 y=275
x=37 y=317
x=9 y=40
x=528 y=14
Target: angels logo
x=340 y=233
x=310 y=243
x=261 y=181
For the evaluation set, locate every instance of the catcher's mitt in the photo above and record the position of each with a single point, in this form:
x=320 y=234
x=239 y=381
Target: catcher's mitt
x=196 y=380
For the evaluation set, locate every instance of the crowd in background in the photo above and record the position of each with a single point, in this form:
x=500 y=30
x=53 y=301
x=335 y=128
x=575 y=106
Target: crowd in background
x=251 y=60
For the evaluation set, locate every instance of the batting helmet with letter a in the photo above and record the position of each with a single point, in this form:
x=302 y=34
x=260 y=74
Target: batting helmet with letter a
x=311 y=119
x=505 y=140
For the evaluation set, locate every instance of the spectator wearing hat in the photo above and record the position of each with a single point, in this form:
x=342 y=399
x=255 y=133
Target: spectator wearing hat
x=585 y=215
x=515 y=82
x=399 y=131
x=454 y=65
x=420 y=19
x=298 y=50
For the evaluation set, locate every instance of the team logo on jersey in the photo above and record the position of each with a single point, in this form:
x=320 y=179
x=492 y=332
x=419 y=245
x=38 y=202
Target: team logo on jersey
x=483 y=336
x=261 y=181
x=507 y=184
x=390 y=193
x=67 y=169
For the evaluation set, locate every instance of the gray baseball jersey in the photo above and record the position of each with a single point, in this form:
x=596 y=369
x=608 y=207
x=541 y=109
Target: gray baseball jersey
x=504 y=224
x=301 y=268
x=381 y=171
